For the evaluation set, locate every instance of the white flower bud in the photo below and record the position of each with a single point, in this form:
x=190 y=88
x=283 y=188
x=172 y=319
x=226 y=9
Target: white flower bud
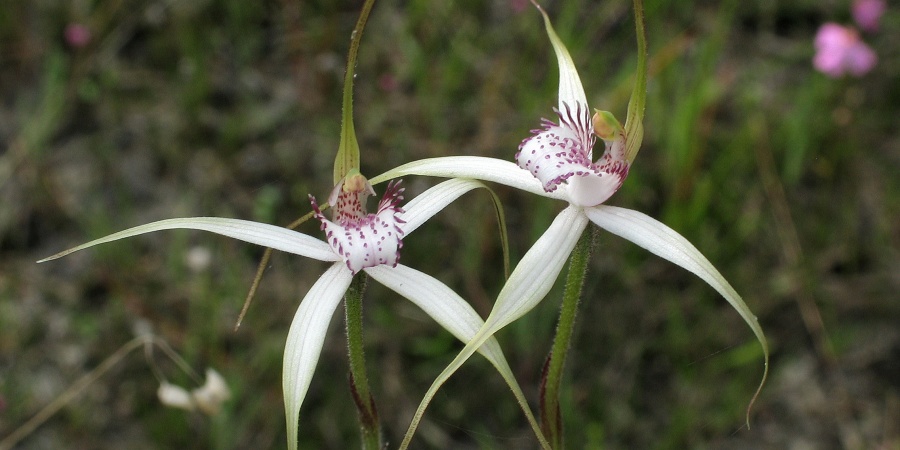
x=174 y=396
x=209 y=397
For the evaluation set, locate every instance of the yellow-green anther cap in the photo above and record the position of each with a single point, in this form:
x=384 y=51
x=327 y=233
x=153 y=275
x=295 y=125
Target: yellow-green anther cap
x=606 y=126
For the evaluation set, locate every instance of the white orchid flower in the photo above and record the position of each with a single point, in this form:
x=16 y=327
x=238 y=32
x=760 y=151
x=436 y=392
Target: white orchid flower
x=356 y=241
x=207 y=398
x=556 y=162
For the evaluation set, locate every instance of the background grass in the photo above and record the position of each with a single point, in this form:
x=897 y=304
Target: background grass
x=784 y=178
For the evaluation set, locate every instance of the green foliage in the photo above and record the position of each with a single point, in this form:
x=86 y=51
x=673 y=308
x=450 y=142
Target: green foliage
x=233 y=108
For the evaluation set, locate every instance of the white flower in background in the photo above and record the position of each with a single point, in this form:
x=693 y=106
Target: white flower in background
x=357 y=241
x=207 y=398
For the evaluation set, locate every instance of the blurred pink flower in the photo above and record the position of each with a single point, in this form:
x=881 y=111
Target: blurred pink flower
x=839 y=50
x=518 y=5
x=388 y=82
x=77 y=35
x=867 y=13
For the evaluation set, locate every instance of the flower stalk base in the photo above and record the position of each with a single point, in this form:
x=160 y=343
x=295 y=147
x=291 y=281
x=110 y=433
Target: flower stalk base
x=551 y=419
x=359 y=381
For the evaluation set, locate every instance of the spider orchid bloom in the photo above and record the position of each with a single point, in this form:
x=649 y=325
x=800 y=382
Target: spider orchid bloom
x=556 y=162
x=357 y=241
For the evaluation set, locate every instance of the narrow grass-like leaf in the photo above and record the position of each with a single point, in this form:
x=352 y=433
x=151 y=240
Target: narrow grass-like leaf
x=501 y=225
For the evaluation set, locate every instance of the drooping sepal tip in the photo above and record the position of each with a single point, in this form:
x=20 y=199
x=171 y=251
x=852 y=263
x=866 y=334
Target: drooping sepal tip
x=571 y=91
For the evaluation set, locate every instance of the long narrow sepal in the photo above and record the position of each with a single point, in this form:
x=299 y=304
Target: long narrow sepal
x=456 y=316
x=571 y=91
x=476 y=167
x=535 y=274
x=526 y=287
x=666 y=243
x=433 y=200
x=253 y=232
x=634 y=120
x=305 y=339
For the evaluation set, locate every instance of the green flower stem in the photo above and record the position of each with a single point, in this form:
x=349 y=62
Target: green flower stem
x=551 y=420
x=634 y=121
x=348 y=150
x=359 y=382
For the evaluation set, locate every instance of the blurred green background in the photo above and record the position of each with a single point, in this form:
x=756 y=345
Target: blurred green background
x=784 y=178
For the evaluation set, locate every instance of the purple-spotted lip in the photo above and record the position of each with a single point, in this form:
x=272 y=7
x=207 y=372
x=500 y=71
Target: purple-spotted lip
x=366 y=240
x=561 y=154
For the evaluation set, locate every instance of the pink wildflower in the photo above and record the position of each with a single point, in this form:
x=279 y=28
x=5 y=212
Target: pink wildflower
x=77 y=35
x=518 y=5
x=388 y=82
x=839 y=50
x=867 y=13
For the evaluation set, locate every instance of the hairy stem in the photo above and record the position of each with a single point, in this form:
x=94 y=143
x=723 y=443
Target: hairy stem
x=359 y=382
x=551 y=421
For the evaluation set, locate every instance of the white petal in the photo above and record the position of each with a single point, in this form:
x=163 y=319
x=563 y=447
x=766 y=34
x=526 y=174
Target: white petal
x=212 y=394
x=373 y=240
x=571 y=91
x=454 y=314
x=438 y=301
x=537 y=271
x=175 y=396
x=253 y=232
x=432 y=201
x=593 y=189
x=556 y=153
x=663 y=241
x=477 y=167
x=305 y=338
x=526 y=287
